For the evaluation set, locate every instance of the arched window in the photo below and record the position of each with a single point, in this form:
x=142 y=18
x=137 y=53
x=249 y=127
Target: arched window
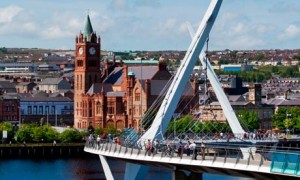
x=125 y=107
x=90 y=109
x=120 y=124
x=80 y=81
x=137 y=95
x=110 y=123
x=98 y=107
x=135 y=124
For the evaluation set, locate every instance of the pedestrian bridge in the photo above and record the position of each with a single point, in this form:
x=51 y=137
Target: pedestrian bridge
x=226 y=160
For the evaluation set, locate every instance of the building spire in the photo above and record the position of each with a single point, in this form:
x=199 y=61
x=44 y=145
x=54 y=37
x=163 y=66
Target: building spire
x=87 y=28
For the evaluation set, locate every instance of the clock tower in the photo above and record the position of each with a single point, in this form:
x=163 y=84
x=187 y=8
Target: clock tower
x=87 y=69
x=255 y=93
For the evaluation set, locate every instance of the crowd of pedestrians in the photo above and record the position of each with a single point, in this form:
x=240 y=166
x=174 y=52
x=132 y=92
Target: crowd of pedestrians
x=170 y=148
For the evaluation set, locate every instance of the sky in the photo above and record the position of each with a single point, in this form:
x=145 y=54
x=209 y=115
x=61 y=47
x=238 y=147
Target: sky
x=149 y=24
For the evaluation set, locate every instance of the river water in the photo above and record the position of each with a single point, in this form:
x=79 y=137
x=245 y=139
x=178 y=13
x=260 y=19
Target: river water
x=88 y=168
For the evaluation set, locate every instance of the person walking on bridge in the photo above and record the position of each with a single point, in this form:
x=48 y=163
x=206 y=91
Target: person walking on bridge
x=203 y=150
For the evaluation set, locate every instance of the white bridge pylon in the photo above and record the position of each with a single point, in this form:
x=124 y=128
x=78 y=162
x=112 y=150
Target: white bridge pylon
x=169 y=104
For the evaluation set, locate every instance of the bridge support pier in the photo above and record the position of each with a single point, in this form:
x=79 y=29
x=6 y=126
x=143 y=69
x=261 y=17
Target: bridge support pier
x=135 y=171
x=185 y=175
x=107 y=171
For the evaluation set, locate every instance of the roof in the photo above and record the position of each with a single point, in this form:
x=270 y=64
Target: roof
x=87 y=28
x=238 y=103
x=140 y=72
x=130 y=73
x=51 y=81
x=143 y=72
x=234 y=98
x=7 y=86
x=96 y=88
x=157 y=86
x=284 y=102
x=115 y=94
x=45 y=99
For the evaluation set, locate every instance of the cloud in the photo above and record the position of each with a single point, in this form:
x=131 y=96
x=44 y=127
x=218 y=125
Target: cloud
x=8 y=13
x=55 y=32
x=292 y=31
x=119 y=5
x=170 y=27
x=147 y=3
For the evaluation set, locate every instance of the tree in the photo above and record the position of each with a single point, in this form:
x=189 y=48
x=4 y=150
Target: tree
x=70 y=135
x=274 y=69
x=36 y=134
x=249 y=119
x=287 y=117
x=288 y=123
x=7 y=126
x=24 y=133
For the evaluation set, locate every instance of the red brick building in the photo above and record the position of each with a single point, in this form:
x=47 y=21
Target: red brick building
x=9 y=109
x=118 y=93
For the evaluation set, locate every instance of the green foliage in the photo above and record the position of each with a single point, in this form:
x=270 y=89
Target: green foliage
x=297 y=57
x=249 y=119
x=223 y=62
x=7 y=126
x=288 y=123
x=281 y=71
x=287 y=118
x=181 y=125
x=34 y=133
x=70 y=135
x=274 y=69
x=3 y=50
x=187 y=123
x=24 y=132
x=98 y=131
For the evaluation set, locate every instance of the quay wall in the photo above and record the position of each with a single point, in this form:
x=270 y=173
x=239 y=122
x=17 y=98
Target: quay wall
x=42 y=151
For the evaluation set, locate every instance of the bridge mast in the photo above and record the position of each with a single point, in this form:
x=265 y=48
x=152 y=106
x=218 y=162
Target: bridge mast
x=167 y=109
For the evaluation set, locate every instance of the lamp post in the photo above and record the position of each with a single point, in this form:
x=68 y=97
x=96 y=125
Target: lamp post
x=19 y=116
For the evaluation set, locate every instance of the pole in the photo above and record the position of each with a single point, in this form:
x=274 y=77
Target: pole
x=141 y=96
x=55 y=118
x=47 y=116
x=20 y=116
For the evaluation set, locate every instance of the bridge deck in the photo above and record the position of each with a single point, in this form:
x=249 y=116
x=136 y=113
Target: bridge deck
x=214 y=158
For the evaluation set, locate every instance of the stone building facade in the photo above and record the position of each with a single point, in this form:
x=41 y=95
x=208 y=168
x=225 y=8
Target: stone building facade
x=113 y=93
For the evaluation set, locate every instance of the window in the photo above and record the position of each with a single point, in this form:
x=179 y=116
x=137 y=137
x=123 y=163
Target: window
x=80 y=81
x=41 y=110
x=125 y=107
x=90 y=109
x=79 y=63
x=46 y=109
x=98 y=108
x=110 y=108
x=120 y=124
x=52 y=110
x=7 y=108
x=34 y=109
x=77 y=80
x=29 y=110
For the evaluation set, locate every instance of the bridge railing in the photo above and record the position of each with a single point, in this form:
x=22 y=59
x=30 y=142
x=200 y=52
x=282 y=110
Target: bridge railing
x=232 y=154
x=225 y=136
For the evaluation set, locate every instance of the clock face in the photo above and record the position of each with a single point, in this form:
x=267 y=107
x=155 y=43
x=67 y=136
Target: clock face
x=80 y=50
x=92 y=50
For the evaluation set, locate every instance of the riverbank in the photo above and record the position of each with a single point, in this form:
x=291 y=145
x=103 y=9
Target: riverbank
x=45 y=150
